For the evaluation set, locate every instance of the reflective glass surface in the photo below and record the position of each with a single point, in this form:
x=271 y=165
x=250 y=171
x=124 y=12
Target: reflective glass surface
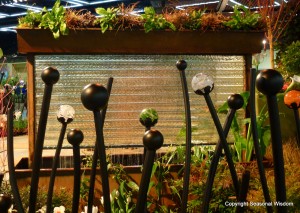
x=140 y=81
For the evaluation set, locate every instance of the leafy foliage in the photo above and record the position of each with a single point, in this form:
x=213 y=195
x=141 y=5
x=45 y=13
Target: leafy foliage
x=61 y=197
x=243 y=19
x=195 y=20
x=244 y=145
x=55 y=20
x=122 y=198
x=59 y=20
x=153 y=21
x=20 y=125
x=108 y=18
x=150 y=114
x=31 y=20
x=290 y=59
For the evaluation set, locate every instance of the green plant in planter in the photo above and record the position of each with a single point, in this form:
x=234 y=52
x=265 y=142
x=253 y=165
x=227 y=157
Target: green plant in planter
x=243 y=144
x=243 y=19
x=153 y=21
x=194 y=20
x=55 y=20
x=31 y=20
x=108 y=18
x=20 y=126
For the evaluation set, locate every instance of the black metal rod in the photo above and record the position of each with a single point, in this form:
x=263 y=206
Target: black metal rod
x=93 y=179
x=243 y=191
x=1 y=77
x=10 y=161
x=277 y=152
x=76 y=187
x=181 y=65
x=145 y=180
x=96 y=152
x=223 y=142
x=296 y=115
x=38 y=149
x=215 y=161
x=145 y=149
x=54 y=167
x=103 y=163
x=259 y=159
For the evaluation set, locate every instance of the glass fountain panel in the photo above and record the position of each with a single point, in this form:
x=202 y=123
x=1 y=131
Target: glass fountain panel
x=140 y=81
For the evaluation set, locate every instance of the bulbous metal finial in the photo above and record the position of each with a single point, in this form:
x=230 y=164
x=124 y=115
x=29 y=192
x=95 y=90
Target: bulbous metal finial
x=65 y=114
x=50 y=75
x=269 y=82
x=235 y=101
x=292 y=99
x=5 y=202
x=148 y=117
x=181 y=65
x=202 y=84
x=94 y=97
x=153 y=139
x=75 y=137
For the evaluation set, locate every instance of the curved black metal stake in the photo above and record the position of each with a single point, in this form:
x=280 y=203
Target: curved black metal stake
x=152 y=140
x=65 y=116
x=296 y=115
x=181 y=66
x=259 y=159
x=75 y=137
x=95 y=154
x=145 y=150
x=2 y=75
x=10 y=161
x=94 y=97
x=243 y=191
x=235 y=102
x=269 y=82
x=50 y=76
x=223 y=142
x=54 y=167
x=202 y=85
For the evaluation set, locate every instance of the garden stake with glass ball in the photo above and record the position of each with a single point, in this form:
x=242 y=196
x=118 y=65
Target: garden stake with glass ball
x=152 y=140
x=50 y=76
x=75 y=137
x=181 y=66
x=203 y=85
x=94 y=97
x=269 y=82
x=65 y=115
x=235 y=102
x=259 y=158
x=10 y=161
x=148 y=118
x=95 y=154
